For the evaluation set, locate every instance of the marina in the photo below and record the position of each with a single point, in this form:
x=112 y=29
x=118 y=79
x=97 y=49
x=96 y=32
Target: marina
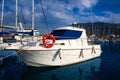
x=59 y=40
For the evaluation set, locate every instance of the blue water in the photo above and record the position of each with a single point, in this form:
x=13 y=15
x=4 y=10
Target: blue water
x=106 y=67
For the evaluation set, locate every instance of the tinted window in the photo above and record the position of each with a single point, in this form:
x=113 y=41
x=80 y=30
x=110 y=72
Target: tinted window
x=66 y=34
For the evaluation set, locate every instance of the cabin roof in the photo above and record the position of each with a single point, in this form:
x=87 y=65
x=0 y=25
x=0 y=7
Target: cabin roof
x=70 y=28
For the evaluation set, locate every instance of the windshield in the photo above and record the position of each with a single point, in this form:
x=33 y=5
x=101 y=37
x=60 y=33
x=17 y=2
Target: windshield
x=66 y=34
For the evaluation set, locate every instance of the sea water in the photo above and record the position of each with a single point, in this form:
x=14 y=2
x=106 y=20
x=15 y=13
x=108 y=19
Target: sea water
x=106 y=67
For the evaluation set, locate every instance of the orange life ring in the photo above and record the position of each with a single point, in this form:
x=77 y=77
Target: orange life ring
x=45 y=43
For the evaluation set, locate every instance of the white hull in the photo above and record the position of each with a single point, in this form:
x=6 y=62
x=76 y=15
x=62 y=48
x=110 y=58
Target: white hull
x=58 y=57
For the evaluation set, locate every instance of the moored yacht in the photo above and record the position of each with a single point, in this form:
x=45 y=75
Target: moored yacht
x=16 y=37
x=63 y=46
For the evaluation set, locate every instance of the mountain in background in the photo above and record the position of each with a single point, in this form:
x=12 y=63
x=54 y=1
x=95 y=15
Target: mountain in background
x=100 y=29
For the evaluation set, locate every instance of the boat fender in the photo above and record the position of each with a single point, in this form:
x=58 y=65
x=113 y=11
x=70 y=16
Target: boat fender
x=60 y=54
x=93 y=50
x=9 y=44
x=50 y=36
x=81 y=53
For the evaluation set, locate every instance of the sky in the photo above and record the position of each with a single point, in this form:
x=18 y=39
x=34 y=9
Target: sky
x=61 y=12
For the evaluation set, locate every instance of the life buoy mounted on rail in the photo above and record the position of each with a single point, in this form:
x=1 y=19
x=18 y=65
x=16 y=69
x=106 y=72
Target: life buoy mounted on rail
x=48 y=45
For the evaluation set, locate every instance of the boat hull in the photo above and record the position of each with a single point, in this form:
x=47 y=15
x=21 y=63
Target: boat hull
x=58 y=57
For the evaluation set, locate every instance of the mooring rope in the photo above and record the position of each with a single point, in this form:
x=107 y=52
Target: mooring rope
x=44 y=16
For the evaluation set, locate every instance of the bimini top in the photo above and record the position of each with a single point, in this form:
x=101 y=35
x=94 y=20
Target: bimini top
x=68 y=32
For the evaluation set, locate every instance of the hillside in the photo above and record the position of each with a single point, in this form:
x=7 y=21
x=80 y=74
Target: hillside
x=100 y=29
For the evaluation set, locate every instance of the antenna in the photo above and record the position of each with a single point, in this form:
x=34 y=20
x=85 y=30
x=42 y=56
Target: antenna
x=72 y=12
x=92 y=21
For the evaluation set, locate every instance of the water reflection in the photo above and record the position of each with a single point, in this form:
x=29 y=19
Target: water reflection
x=81 y=71
x=11 y=67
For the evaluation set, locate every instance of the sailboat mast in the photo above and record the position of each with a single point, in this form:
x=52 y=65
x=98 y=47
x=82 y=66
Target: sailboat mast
x=33 y=15
x=16 y=18
x=2 y=12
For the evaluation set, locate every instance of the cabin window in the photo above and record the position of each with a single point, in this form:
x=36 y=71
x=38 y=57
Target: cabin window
x=66 y=34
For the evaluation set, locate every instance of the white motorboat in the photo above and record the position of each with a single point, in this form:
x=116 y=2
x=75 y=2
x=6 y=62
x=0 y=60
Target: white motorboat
x=64 y=46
